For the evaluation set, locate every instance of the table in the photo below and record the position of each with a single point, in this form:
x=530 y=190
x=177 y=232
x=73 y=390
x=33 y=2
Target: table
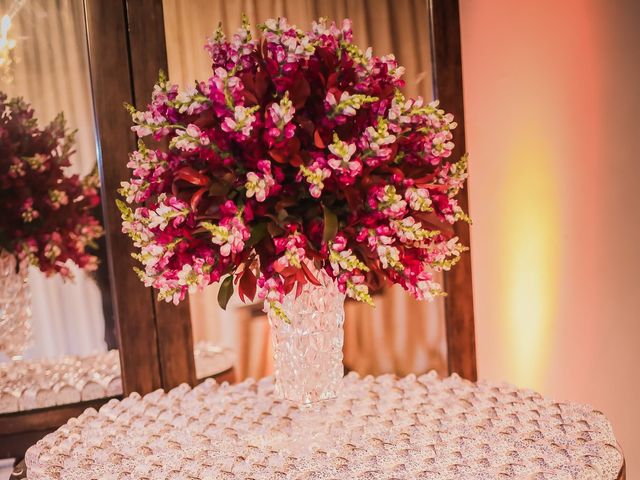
x=36 y=397
x=378 y=428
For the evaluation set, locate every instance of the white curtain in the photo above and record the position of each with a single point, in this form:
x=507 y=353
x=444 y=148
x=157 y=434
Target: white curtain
x=52 y=74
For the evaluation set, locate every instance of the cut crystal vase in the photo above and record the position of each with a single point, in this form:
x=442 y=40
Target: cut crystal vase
x=15 y=306
x=307 y=349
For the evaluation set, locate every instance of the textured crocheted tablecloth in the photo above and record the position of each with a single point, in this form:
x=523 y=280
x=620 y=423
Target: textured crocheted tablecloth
x=32 y=384
x=378 y=428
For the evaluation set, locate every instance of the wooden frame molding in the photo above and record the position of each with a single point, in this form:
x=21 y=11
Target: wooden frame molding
x=20 y=430
x=111 y=85
x=126 y=51
x=447 y=81
x=148 y=55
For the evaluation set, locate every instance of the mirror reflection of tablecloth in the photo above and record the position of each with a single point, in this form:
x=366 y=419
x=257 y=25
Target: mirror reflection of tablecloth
x=32 y=384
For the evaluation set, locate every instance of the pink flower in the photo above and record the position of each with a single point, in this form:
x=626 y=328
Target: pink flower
x=298 y=151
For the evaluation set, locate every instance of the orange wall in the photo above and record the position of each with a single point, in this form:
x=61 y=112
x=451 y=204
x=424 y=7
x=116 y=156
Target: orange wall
x=552 y=99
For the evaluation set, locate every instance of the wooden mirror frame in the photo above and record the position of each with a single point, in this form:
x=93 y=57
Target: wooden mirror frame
x=147 y=44
x=123 y=59
x=147 y=55
x=446 y=56
x=127 y=48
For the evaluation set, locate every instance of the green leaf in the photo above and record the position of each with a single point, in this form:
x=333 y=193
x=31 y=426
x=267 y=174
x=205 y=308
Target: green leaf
x=274 y=229
x=225 y=292
x=330 y=225
x=258 y=231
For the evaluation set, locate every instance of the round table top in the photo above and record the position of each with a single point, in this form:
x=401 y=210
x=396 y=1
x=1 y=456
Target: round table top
x=377 y=428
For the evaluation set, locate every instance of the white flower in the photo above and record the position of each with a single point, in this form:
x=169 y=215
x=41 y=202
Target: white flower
x=348 y=104
x=242 y=120
x=166 y=211
x=377 y=138
x=343 y=152
x=389 y=257
x=230 y=237
x=315 y=176
x=418 y=199
x=259 y=185
x=391 y=203
x=282 y=113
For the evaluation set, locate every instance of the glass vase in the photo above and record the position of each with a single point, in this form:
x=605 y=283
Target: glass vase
x=15 y=306
x=307 y=349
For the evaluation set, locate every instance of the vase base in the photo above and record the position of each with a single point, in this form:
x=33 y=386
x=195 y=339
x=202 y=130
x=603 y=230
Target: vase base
x=307 y=349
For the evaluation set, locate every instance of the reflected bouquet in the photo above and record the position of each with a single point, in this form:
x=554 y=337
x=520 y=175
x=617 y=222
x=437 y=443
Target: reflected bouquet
x=298 y=154
x=47 y=215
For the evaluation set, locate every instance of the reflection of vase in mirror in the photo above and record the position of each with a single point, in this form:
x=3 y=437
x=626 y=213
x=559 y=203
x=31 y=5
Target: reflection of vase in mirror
x=68 y=317
x=15 y=309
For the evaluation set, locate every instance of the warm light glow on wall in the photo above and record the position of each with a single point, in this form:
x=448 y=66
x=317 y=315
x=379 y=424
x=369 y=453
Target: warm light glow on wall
x=529 y=266
x=551 y=107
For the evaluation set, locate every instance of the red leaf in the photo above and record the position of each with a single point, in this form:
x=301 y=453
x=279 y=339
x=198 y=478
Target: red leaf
x=306 y=124
x=205 y=119
x=279 y=156
x=427 y=179
x=332 y=81
x=289 y=283
x=300 y=282
x=295 y=160
x=247 y=286
x=289 y=272
x=293 y=146
x=309 y=274
x=196 y=197
x=299 y=92
x=317 y=140
x=192 y=176
x=261 y=84
x=249 y=98
x=352 y=196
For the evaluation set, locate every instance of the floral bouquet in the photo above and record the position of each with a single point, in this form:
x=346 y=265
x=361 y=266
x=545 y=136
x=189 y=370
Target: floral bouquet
x=299 y=156
x=47 y=213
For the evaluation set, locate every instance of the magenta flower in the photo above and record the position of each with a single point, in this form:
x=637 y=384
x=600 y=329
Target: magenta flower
x=300 y=153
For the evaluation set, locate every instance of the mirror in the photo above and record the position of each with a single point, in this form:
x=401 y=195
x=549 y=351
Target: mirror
x=57 y=335
x=400 y=335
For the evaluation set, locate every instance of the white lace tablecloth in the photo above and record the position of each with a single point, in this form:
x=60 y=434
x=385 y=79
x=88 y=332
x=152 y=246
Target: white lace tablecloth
x=378 y=428
x=32 y=384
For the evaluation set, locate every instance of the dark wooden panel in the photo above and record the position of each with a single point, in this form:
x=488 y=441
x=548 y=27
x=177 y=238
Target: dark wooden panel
x=19 y=472
x=175 y=344
x=447 y=71
x=111 y=86
x=148 y=57
x=20 y=430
